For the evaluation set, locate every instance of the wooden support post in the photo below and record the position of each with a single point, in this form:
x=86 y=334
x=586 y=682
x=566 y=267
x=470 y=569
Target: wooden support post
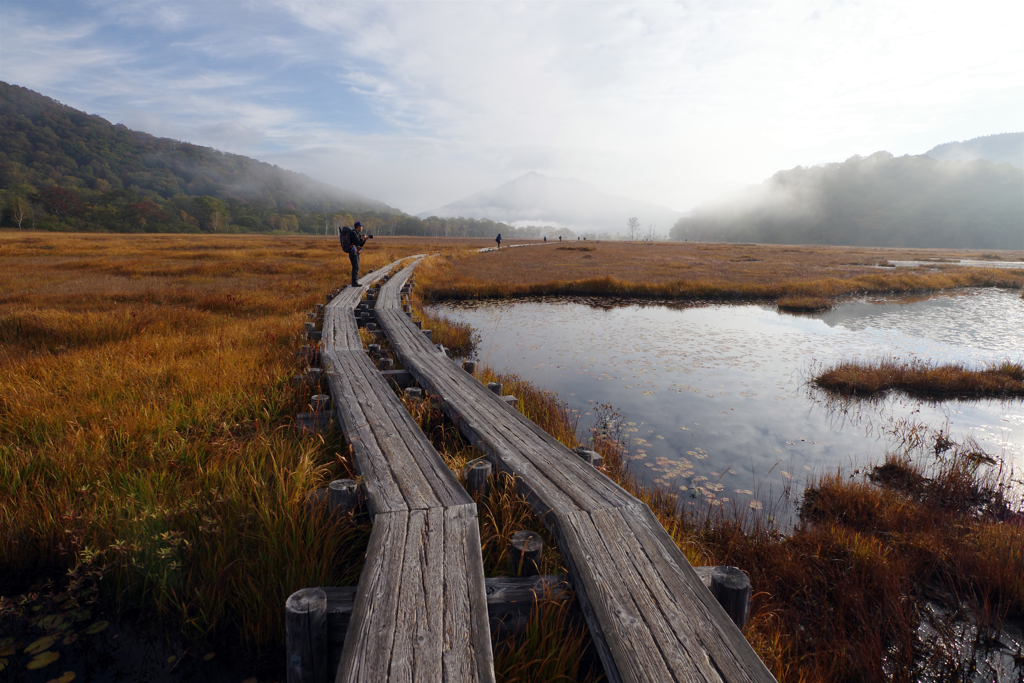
x=477 y=473
x=469 y=366
x=418 y=323
x=319 y=403
x=414 y=392
x=495 y=387
x=305 y=625
x=335 y=291
x=731 y=587
x=373 y=350
x=524 y=549
x=371 y=326
x=327 y=298
x=429 y=334
x=511 y=401
x=593 y=457
x=364 y=318
x=308 y=329
x=343 y=496
x=387 y=363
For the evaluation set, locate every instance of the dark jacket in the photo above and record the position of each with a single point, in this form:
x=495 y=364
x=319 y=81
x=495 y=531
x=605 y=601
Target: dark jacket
x=350 y=238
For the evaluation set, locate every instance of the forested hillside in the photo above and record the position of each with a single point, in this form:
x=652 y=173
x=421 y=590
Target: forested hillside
x=63 y=169
x=1004 y=148
x=880 y=200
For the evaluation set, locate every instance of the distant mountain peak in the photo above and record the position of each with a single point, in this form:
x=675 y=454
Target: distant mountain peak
x=549 y=200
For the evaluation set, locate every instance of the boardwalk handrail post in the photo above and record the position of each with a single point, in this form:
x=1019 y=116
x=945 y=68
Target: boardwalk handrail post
x=524 y=551
x=731 y=587
x=305 y=624
x=343 y=496
x=477 y=473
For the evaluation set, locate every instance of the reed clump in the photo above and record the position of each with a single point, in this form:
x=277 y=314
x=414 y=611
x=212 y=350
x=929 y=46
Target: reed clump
x=804 y=304
x=921 y=378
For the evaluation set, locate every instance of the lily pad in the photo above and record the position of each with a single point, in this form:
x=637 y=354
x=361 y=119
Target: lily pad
x=172 y=659
x=97 y=627
x=7 y=650
x=70 y=638
x=65 y=677
x=53 y=622
x=208 y=656
x=38 y=646
x=43 y=659
x=3 y=663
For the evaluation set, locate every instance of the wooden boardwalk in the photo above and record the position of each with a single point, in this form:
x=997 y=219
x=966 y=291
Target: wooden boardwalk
x=420 y=611
x=650 y=616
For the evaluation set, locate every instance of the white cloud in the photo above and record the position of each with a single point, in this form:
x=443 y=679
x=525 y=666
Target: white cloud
x=421 y=103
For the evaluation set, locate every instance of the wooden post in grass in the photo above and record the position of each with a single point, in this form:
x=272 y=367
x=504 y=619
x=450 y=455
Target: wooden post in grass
x=524 y=549
x=429 y=334
x=309 y=327
x=477 y=473
x=731 y=587
x=305 y=625
x=386 y=363
x=373 y=350
x=319 y=403
x=414 y=392
x=342 y=496
x=469 y=366
x=495 y=387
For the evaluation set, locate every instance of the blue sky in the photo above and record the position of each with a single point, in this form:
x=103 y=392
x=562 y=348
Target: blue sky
x=421 y=103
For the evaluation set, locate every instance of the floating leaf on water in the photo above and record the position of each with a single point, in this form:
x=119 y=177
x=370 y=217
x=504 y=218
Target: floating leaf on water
x=7 y=650
x=5 y=642
x=755 y=505
x=208 y=656
x=65 y=677
x=38 y=646
x=43 y=659
x=3 y=663
x=97 y=627
x=172 y=659
x=53 y=622
x=70 y=638
x=250 y=680
x=81 y=615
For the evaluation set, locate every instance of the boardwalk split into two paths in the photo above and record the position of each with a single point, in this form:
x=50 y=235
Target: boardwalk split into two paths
x=420 y=609
x=649 y=614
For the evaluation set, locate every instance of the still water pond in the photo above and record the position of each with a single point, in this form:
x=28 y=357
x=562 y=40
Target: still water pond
x=722 y=391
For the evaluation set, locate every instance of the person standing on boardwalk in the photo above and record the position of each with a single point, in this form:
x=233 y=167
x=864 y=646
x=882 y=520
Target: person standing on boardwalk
x=498 y=240
x=352 y=242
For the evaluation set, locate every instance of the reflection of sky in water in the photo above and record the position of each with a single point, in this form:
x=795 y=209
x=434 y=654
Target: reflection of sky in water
x=720 y=389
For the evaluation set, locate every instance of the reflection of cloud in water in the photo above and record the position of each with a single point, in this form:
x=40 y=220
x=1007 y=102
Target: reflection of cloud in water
x=729 y=383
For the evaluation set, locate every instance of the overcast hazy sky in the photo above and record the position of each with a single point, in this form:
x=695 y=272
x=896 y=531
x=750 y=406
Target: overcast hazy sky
x=421 y=103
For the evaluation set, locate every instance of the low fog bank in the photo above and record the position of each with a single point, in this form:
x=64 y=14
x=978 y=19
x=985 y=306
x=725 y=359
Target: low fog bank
x=1004 y=148
x=564 y=203
x=880 y=200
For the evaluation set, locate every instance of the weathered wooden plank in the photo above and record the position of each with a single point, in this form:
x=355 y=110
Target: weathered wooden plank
x=417 y=654
x=367 y=651
x=467 y=652
x=728 y=649
x=392 y=425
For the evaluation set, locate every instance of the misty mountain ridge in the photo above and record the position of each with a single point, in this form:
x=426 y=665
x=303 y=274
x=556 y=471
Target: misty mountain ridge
x=535 y=199
x=1003 y=148
x=879 y=200
x=43 y=141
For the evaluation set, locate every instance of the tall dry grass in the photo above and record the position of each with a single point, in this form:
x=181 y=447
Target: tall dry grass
x=700 y=271
x=931 y=380
x=146 y=426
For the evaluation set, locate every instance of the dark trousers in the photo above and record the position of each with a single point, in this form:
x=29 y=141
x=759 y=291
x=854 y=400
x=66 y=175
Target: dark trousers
x=353 y=256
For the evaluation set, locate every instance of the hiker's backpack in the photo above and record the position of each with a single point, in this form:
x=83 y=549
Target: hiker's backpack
x=346 y=239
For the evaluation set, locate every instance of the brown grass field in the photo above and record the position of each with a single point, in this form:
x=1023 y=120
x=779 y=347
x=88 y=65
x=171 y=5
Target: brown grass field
x=664 y=270
x=855 y=378
x=148 y=449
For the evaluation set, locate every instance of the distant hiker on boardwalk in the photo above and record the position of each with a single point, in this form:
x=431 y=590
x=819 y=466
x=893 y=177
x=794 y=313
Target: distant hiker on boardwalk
x=352 y=242
x=559 y=238
x=498 y=240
